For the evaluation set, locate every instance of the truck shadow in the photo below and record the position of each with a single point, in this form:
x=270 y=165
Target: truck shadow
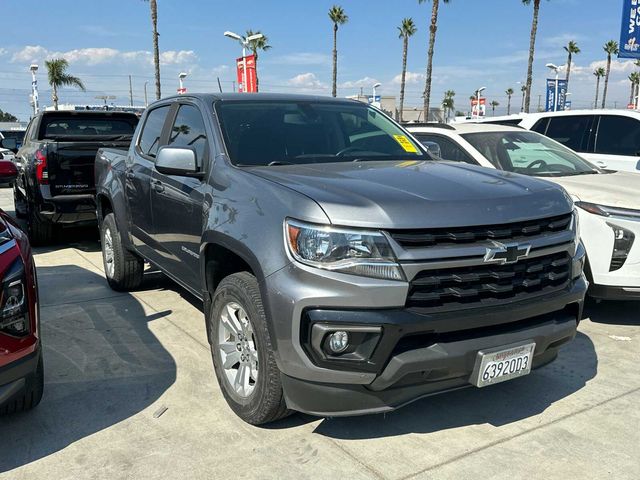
x=498 y=405
x=102 y=365
x=613 y=313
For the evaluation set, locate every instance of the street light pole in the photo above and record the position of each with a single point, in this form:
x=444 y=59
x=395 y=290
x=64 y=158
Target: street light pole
x=181 y=77
x=555 y=97
x=244 y=41
x=478 y=98
x=373 y=100
x=146 y=103
x=34 y=88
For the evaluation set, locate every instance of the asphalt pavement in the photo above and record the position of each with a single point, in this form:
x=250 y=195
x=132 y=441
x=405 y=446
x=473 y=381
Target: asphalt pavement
x=130 y=393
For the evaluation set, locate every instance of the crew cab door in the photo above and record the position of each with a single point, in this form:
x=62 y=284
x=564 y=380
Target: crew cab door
x=138 y=180
x=177 y=201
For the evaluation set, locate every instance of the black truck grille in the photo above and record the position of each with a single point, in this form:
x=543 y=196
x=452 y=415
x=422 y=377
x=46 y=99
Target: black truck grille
x=456 y=287
x=511 y=231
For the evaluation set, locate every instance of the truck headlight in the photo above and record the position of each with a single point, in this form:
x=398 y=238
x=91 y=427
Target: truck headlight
x=358 y=252
x=14 y=319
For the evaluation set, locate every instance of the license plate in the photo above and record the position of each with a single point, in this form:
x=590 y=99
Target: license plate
x=495 y=366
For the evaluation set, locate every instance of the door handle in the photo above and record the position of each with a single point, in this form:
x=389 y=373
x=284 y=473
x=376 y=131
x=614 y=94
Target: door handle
x=157 y=186
x=130 y=175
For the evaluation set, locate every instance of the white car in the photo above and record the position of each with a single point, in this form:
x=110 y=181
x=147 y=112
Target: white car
x=608 y=138
x=608 y=201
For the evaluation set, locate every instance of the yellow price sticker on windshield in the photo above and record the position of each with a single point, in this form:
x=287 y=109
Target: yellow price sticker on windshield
x=405 y=143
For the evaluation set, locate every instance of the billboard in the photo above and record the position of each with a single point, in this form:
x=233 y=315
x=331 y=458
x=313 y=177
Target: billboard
x=475 y=112
x=554 y=104
x=630 y=29
x=252 y=84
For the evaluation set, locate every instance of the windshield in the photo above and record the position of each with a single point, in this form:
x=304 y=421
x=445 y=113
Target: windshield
x=260 y=132
x=528 y=153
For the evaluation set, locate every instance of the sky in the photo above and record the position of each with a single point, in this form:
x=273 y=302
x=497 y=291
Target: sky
x=479 y=43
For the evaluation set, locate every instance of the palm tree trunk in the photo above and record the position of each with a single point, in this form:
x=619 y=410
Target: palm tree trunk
x=255 y=66
x=334 y=85
x=568 y=69
x=54 y=96
x=522 y=104
x=595 y=104
x=606 y=81
x=532 y=48
x=156 y=51
x=633 y=87
x=405 y=48
x=432 y=42
x=508 y=104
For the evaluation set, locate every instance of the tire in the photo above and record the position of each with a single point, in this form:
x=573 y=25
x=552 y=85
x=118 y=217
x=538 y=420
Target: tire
x=122 y=268
x=20 y=204
x=40 y=231
x=32 y=394
x=262 y=401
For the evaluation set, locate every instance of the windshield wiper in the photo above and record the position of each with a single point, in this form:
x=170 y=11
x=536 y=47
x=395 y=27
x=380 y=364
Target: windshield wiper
x=279 y=162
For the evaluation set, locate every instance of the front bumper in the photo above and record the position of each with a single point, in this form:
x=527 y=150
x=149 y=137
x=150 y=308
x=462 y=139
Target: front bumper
x=14 y=376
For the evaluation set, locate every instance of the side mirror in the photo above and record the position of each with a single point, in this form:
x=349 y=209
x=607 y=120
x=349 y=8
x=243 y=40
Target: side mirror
x=601 y=164
x=433 y=148
x=8 y=171
x=176 y=161
x=9 y=144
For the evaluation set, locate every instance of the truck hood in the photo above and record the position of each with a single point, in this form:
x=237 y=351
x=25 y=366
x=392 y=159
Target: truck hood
x=418 y=194
x=617 y=189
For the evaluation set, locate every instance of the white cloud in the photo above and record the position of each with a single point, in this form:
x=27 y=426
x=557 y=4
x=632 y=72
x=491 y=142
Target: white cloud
x=180 y=57
x=307 y=81
x=410 y=78
x=30 y=53
x=3 y=51
x=561 y=39
x=363 y=82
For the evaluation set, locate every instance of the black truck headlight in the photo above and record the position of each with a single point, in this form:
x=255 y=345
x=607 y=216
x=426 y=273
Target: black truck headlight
x=14 y=316
x=622 y=242
x=358 y=252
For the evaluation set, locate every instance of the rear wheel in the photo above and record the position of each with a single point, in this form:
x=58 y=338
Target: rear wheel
x=21 y=208
x=40 y=231
x=123 y=268
x=34 y=388
x=242 y=351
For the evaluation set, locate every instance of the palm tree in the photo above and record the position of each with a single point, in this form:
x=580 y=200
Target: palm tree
x=58 y=77
x=532 y=48
x=407 y=29
x=338 y=17
x=634 y=78
x=523 y=89
x=433 y=27
x=153 y=4
x=255 y=46
x=448 y=103
x=611 y=48
x=599 y=73
x=571 y=49
x=509 y=92
x=494 y=104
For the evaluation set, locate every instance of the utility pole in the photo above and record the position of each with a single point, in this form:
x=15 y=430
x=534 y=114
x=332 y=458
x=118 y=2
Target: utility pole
x=234 y=85
x=146 y=102
x=34 y=88
x=539 y=102
x=130 y=92
x=219 y=85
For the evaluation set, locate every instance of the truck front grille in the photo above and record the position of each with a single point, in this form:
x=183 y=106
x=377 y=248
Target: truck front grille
x=462 y=235
x=459 y=287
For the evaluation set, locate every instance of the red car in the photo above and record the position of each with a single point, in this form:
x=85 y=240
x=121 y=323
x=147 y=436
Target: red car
x=21 y=369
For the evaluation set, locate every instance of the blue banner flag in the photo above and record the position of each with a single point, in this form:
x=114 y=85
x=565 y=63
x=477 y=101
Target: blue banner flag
x=554 y=104
x=630 y=30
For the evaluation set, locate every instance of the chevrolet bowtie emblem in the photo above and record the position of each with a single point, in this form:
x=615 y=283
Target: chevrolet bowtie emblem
x=506 y=253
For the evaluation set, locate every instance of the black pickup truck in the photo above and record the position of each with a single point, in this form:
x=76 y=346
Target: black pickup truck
x=55 y=185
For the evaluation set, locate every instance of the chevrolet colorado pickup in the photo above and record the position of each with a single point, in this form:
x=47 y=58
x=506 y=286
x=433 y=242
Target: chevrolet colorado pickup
x=56 y=160
x=342 y=271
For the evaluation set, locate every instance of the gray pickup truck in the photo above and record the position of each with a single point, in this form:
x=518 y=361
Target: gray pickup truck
x=342 y=270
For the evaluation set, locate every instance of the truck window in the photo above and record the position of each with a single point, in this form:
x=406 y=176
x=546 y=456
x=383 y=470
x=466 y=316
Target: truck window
x=149 y=141
x=188 y=131
x=69 y=127
x=618 y=135
x=449 y=150
x=572 y=131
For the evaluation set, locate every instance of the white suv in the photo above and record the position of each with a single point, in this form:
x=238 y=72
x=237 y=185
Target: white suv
x=608 y=201
x=607 y=138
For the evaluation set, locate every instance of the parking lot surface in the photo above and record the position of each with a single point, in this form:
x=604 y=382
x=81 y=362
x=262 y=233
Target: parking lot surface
x=130 y=393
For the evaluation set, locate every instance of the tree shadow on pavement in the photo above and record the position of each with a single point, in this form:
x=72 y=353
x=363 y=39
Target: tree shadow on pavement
x=102 y=365
x=613 y=313
x=497 y=405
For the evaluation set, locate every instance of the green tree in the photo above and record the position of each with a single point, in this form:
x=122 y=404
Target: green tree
x=448 y=103
x=256 y=45
x=338 y=17
x=153 y=6
x=634 y=78
x=572 y=49
x=7 y=117
x=611 y=48
x=532 y=49
x=58 y=77
x=509 y=92
x=433 y=27
x=407 y=29
x=599 y=73
x=523 y=89
x=494 y=104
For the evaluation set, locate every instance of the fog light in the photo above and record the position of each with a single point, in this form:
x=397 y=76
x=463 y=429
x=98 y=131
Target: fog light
x=338 y=341
x=623 y=241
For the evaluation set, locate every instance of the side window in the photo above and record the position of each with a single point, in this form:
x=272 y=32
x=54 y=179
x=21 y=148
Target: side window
x=188 y=131
x=572 y=131
x=149 y=141
x=618 y=135
x=449 y=150
x=541 y=126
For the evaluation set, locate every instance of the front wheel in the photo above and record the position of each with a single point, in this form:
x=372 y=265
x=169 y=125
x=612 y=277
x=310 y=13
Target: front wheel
x=123 y=268
x=242 y=352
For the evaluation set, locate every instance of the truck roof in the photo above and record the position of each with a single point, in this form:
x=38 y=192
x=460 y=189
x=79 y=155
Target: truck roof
x=211 y=97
